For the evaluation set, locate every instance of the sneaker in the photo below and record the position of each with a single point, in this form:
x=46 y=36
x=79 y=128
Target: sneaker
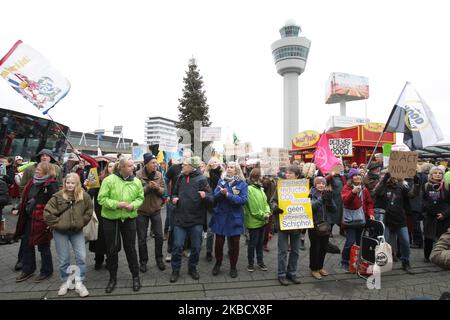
x=186 y=253
x=168 y=257
x=262 y=266
x=294 y=279
x=233 y=273
x=63 y=289
x=250 y=268
x=407 y=267
x=283 y=281
x=80 y=289
x=23 y=276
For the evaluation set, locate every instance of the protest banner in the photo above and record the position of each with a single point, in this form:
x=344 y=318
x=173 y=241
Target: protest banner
x=403 y=164
x=93 y=181
x=138 y=152
x=296 y=205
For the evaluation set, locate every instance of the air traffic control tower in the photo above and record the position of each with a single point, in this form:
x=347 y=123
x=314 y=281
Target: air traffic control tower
x=290 y=54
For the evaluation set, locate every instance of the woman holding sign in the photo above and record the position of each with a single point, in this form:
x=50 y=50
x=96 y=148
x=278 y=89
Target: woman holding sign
x=322 y=206
x=287 y=268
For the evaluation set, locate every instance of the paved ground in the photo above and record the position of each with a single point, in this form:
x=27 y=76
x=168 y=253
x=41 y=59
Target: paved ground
x=429 y=280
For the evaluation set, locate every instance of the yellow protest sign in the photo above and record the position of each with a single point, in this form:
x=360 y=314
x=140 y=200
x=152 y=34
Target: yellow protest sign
x=293 y=199
x=92 y=180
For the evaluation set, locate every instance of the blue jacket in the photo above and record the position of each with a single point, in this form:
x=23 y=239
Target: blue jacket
x=228 y=217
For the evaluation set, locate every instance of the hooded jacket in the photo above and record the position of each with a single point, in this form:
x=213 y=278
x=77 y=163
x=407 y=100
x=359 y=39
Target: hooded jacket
x=190 y=209
x=29 y=172
x=68 y=216
x=153 y=200
x=115 y=189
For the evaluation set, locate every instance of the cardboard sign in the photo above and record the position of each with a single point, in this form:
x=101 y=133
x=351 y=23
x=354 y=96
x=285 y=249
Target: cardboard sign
x=296 y=205
x=341 y=147
x=403 y=164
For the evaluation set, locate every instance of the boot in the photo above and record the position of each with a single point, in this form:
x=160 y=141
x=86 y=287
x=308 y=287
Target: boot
x=407 y=267
x=111 y=284
x=136 y=284
x=216 y=268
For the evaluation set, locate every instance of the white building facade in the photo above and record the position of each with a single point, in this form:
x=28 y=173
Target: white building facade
x=162 y=131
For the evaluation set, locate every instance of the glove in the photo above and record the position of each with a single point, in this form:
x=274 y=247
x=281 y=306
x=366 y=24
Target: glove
x=326 y=196
x=277 y=210
x=416 y=179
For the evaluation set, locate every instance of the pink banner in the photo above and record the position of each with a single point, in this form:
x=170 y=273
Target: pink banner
x=323 y=157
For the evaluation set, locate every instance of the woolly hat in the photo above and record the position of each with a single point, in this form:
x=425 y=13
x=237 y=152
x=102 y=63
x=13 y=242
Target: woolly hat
x=148 y=157
x=46 y=152
x=353 y=172
x=193 y=161
x=320 y=179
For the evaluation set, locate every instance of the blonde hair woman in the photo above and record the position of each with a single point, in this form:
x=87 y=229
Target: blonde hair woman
x=228 y=219
x=67 y=212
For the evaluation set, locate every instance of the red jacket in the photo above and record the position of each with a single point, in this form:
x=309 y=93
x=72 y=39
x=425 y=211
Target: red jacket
x=352 y=201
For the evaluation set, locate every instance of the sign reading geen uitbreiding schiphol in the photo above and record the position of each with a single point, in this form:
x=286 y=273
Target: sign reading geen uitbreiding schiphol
x=294 y=201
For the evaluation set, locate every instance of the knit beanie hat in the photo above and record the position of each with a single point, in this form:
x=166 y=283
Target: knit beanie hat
x=193 y=161
x=320 y=179
x=353 y=172
x=148 y=157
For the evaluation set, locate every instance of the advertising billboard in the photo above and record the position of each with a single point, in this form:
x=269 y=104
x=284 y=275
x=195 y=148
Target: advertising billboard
x=346 y=87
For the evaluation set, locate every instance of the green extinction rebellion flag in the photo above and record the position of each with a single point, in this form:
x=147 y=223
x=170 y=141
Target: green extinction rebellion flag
x=412 y=116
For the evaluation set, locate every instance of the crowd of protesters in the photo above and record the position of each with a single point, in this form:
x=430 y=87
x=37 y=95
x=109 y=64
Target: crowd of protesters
x=216 y=201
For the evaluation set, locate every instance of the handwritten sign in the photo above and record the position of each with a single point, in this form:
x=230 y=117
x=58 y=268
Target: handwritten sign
x=294 y=201
x=341 y=147
x=403 y=164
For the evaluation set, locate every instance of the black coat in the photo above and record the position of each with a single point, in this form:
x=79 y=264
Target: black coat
x=397 y=205
x=190 y=209
x=436 y=200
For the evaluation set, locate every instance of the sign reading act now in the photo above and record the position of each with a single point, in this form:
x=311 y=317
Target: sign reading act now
x=403 y=164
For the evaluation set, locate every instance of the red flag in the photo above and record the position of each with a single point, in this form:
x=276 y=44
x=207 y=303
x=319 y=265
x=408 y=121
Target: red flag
x=323 y=158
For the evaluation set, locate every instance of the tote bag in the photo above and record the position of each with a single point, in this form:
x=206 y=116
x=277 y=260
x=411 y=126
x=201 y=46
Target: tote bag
x=90 y=231
x=354 y=218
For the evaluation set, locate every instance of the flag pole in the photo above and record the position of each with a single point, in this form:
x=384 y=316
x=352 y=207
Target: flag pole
x=384 y=129
x=62 y=132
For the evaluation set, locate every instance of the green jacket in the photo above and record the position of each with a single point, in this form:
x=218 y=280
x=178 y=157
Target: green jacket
x=115 y=189
x=256 y=208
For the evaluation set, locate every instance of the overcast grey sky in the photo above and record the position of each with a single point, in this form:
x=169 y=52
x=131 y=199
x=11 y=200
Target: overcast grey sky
x=131 y=57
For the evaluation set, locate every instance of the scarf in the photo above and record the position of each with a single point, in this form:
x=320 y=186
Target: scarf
x=437 y=182
x=38 y=181
x=231 y=180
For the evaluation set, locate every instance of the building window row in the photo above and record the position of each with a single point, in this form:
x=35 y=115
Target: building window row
x=286 y=52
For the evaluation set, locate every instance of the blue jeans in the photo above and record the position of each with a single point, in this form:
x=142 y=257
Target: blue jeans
x=62 y=241
x=179 y=237
x=255 y=244
x=353 y=235
x=285 y=267
x=29 y=254
x=379 y=214
x=403 y=235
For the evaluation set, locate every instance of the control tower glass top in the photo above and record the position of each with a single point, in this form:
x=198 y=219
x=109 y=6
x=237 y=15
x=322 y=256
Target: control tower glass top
x=290 y=31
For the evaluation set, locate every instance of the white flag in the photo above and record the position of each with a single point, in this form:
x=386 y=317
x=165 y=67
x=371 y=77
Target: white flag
x=32 y=76
x=412 y=116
